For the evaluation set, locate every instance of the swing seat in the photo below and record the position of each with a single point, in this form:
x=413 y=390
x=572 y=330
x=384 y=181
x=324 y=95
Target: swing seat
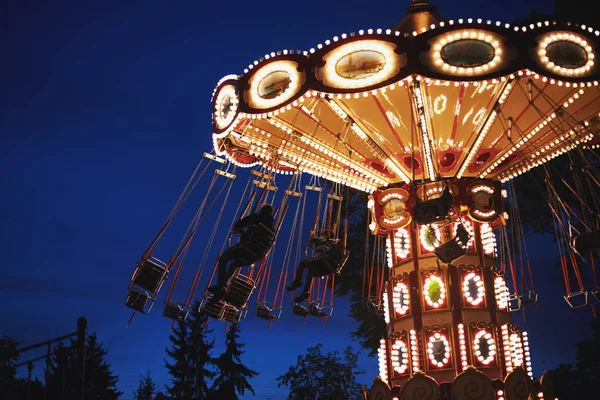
x=150 y=274
x=596 y=294
x=211 y=308
x=454 y=248
x=316 y=310
x=529 y=298
x=175 y=311
x=256 y=245
x=138 y=300
x=515 y=303
x=434 y=210
x=586 y=242
x=332 y=263
x=300 y=310
x=577 y=299
x=231 y=314
x=239 y=290
x=266 y=311
x=375 y=307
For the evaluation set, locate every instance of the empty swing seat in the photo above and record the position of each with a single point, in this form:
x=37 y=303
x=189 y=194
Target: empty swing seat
x=150 y=274
x=374 y=307
x=231 y=314
x=577 y=299
x=211 y=308
x=175 y=311
x=454 y=248
x=300 y=310
x=516 y=302
x=596 y=294
x=529 y=298
x=586 y=242
x=239 y=290
x=316 y=310
x=137 y=300
x=266 y=311
x=434 y=210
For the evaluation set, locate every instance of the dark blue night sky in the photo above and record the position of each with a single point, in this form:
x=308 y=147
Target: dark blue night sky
x=105 y=112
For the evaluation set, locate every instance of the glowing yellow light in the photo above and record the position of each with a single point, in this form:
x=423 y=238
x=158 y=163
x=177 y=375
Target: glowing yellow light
x=472 y=278
x=516 y=350
x=382 y=353
x=578 y=40
x=414 y=350
x=483 y=36
x=502 y=293
x=295 y=81
x=400 y=298
x=226 y=106
x=390 y=67
x=399 y=356
x=442 y=291
x=437 y=338
x=491 y=353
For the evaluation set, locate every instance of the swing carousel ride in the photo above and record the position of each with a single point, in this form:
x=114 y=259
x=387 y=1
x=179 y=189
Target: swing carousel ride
x=432 y=118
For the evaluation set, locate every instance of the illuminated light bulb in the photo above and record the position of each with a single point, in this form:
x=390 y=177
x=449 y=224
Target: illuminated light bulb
x=442 y=291
x=469 y=278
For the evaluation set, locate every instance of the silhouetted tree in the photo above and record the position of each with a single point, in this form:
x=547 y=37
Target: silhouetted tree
x=100 y=382
x=582 y=380
x=60 y=374
x=30 y=389
x=161 y=396
x=181 y=372
x=199 y=358
x=319 y=376
x=232 y=378
x=588 y=362
x=371 y=327
x=9 y=384
x=146 y=387
x=575 y=10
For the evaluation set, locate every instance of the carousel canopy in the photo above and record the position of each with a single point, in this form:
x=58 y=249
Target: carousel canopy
x=451 y=99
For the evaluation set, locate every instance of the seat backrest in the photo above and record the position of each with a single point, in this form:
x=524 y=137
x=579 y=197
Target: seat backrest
x=261 y=238
x=434 y=210
x=336 y=257
x=344 y=255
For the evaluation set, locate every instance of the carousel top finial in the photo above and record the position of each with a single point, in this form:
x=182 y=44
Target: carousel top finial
x=419 y=15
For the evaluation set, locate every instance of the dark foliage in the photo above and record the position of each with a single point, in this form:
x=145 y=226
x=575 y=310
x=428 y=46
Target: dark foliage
x=580 y=381
x=100 y=382
x=181 y=383
x=146 y=388
x=9 y=385
x=371 y=327
x=61 y=373
x=191 y=367
x=319 y=376
x=199 y=358
x=161 y=396
x=232 y=376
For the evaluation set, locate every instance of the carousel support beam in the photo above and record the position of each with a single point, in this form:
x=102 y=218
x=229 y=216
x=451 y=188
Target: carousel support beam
x=371 y=140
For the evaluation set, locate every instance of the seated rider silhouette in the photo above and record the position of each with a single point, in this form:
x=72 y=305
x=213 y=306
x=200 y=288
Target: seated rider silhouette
x=240 y=254
x=329 y=257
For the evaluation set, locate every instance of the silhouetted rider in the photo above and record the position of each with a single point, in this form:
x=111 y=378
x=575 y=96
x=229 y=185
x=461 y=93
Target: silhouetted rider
x=329 y=257
x=244 y=252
